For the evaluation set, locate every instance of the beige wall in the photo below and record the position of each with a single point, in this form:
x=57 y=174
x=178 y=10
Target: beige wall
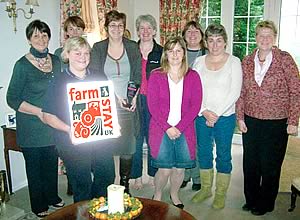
x=134 y=8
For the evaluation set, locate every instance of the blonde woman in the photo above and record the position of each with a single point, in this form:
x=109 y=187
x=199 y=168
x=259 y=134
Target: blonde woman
x=267 y=112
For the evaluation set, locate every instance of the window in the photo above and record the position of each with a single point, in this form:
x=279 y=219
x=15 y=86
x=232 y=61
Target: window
x=246 y=15
x=290 y=28
x=211 y=13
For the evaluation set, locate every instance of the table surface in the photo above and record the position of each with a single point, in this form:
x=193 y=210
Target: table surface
x=152 y=209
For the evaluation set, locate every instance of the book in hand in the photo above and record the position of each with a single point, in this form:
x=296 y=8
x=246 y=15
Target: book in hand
x=132 y=89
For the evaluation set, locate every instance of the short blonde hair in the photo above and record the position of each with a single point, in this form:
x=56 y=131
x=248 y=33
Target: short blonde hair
x=74 y=43
x=266 y=24
x=169 y=45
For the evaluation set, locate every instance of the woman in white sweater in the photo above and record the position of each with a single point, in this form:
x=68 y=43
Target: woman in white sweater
x=221 y=76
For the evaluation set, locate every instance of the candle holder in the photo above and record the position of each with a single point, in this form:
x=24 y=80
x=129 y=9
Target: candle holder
x=12 y=10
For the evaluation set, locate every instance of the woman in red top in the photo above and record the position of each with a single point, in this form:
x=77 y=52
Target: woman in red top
x=267 y=112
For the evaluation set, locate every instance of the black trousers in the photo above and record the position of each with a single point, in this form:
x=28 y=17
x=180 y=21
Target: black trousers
x=41 y=169
x=81 y=161
x=264 y=147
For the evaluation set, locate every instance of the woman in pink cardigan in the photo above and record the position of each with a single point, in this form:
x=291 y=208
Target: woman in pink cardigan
x=267 y=112
x=174 y=100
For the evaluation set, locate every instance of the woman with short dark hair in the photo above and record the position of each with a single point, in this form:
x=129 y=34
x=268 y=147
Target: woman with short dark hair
x=118 y=59
x=26 y=92
x=73 y=27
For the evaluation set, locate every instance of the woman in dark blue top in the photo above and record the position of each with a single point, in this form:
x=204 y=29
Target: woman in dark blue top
x=80 y=160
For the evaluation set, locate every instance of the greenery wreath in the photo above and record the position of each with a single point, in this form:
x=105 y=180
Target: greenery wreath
x=97 y=209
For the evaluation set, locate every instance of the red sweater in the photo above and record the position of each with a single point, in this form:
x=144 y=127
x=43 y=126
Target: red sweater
x=279 y=94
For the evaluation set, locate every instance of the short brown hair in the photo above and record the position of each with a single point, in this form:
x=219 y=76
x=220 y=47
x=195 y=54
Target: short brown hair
x=114 y=15
x=74 y=20
x=216 y=30
x=198 y=27
x=266 y=24
x=169 y=45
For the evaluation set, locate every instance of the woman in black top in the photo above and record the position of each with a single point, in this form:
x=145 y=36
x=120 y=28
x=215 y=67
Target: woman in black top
x=31 y=75
x=151 y=53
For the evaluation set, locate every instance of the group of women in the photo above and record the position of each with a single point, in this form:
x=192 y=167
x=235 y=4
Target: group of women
x=188 y=90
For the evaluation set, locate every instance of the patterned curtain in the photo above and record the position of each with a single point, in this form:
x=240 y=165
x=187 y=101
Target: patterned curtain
x=87 y=16
x=104 y=6
x=174 y=14
x=68 y=8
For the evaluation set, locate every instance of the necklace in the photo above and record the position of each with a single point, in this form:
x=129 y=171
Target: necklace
x=261 y=61
x=43 y=63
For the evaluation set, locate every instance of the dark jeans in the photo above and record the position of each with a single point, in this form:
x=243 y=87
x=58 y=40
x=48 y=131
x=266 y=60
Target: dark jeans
x=81 y=162
x=41 y=169
x=264 y=148
x=137 y=163
x=103 y=168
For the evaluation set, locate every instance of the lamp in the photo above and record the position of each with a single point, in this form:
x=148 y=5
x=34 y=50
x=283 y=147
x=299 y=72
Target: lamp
x=12 y=10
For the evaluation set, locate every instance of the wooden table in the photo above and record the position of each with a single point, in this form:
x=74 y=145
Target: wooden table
x=10 y=143
x=152 y=210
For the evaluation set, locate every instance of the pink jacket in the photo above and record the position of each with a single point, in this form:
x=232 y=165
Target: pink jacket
x=158 y=98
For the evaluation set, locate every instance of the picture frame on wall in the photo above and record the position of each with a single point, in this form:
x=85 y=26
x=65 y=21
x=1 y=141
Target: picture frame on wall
x=11 y=120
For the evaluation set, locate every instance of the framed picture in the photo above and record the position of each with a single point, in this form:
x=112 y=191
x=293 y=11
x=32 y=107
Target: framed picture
x=92 y=109
x=11 y=121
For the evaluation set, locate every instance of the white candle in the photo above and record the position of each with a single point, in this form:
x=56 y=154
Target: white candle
x=115 y=198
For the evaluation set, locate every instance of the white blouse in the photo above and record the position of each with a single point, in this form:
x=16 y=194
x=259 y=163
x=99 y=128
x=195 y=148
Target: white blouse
x=176 y=91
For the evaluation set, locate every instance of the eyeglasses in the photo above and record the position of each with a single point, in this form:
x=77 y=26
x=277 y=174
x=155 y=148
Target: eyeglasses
x=116 y=26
